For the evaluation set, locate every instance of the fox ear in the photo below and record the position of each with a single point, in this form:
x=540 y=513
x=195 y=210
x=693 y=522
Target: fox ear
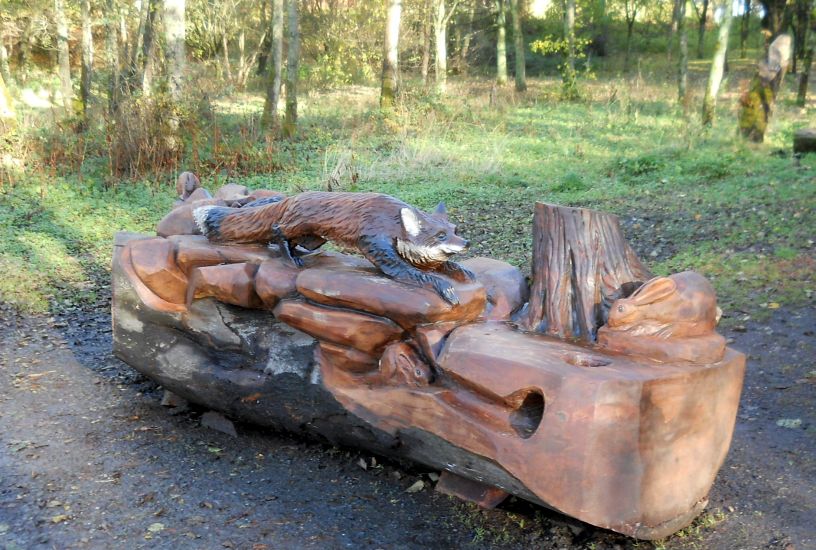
x=441 y=211
x=410 y=221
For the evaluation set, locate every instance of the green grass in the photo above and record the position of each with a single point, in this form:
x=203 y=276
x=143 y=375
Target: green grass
x=688 y=199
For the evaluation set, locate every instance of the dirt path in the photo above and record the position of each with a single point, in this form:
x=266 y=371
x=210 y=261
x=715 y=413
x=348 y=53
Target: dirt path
x=90 y=459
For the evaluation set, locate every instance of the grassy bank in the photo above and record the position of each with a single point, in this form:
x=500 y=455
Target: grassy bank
x=689 y=199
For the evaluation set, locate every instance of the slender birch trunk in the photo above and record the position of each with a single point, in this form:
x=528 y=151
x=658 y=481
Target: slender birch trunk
x=501 y=43
x=682 y=62
x=225 y=54
x=390 y=70
x=717 y=67
x=4 y=63
x=468 y=35
x=440 y=40
x=148 y=45
x=112 y=54
x=174 y=34
x=292 y=62
x=426 y=42
x=702 y=28
x=518 y=41
x=269 y=121
x=63 y=58
x=569 y=34
x=87 y=59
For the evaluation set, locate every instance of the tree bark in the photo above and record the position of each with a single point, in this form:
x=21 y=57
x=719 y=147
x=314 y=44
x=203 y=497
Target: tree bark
x=87 y=60
x=717 y=67
x=569 y=34
x=440 y=42
x=804 y=76
x=466 y=38
x=703 y=17
x=757 y=102
x=269 y=121
x=174 y=33
x=746 y=27
x=143 y=8
x=501 y=43
x=800 y=30
x=63 y=55
x=292 y=63
x=112 y=54
x=225 y=56
x=4 y=64
x=390 y=70
x=581 y=264
x=148 y=45
x=7 y=114
x=673 y=26
x=518 y=41
x=630 y=27
x=682 y=61
x=426 y=42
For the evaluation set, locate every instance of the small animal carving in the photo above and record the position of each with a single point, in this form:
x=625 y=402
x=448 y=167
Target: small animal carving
x=401 y=365
x=186 y=183
x=402 y=241
x=678 y=306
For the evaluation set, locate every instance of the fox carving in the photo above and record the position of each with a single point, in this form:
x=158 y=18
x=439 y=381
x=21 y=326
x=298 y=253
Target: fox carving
x=405 y=243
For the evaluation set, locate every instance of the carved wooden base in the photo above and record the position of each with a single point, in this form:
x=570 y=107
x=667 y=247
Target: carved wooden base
x=626 y=443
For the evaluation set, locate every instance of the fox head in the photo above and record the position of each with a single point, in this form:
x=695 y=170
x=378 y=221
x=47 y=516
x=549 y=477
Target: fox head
x=429 y=239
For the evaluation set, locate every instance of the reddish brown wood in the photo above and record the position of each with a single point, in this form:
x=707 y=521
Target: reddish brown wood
x=154 y=262
x=368 y=290
x=484 y=496
x=231 y=283
x=364 y=332
x=580 y=262
x=275 y=280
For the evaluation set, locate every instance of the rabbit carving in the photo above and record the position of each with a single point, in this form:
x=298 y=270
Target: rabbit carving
x=678 y=306
x=668 y=318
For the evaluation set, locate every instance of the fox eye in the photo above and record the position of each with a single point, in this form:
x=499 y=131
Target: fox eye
x=441 y=235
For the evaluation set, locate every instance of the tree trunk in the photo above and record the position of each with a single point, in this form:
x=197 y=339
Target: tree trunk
x=174 y=31
x=292 y=62
x=112 y=54
x=746 y=27
x=426 y=42
x=630 y=26
x=804 y=76
x=717 y=67
x=4 y=64
x=682 y=62
x=225 y=55
x=7 y=115
x=135 y=59
x=87 y=60
x=63 y=56
x=581 y=264
x=390 y=70
x=518 y=41
x=466 y=38
x=757 y=102
x=800 y=38
x=148 y=45
x=569 y=34
x=702 y=28
x=265 y=43
x=269 y=121
x=501 y=43
x=242 y=61
x=440 y=40
x=673 y=28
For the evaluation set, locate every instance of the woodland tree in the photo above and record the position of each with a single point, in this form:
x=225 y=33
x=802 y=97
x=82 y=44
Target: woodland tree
x=87 y=60
x=273 y=82
x=717 y=65
x=501 y=42
x=174 y=32
x=518 y=41
x=390 y=70
x=292 y=66
x=63 y=55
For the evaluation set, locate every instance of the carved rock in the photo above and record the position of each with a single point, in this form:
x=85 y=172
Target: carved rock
x=506 y=287
x=361 y=331
x=231 y=192
x=374 y=293
x=232 y=284
x=179 y=221
x=154 y=261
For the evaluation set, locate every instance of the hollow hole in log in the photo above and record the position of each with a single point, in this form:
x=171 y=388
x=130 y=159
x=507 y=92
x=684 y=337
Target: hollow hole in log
x=527 y=417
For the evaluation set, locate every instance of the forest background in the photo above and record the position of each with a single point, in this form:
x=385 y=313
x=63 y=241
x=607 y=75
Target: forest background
x=644 y=108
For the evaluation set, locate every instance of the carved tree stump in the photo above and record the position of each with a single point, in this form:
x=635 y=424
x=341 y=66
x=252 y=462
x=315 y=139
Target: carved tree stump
x=581 y=264
x=804 y=141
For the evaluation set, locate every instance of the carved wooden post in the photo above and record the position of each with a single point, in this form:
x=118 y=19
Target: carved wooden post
x=757 y=102
x=581 y=263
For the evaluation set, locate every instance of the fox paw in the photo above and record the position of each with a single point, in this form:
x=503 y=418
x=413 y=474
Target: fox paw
x=446 y=291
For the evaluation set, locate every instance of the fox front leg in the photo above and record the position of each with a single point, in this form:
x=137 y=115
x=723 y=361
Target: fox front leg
x=456 y=272
x=285 y=246
x=380 y=252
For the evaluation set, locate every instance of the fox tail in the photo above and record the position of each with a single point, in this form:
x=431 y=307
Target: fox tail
x=209 y=218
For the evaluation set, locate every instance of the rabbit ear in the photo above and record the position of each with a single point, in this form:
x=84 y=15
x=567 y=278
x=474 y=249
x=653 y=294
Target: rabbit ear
x=656 y=289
